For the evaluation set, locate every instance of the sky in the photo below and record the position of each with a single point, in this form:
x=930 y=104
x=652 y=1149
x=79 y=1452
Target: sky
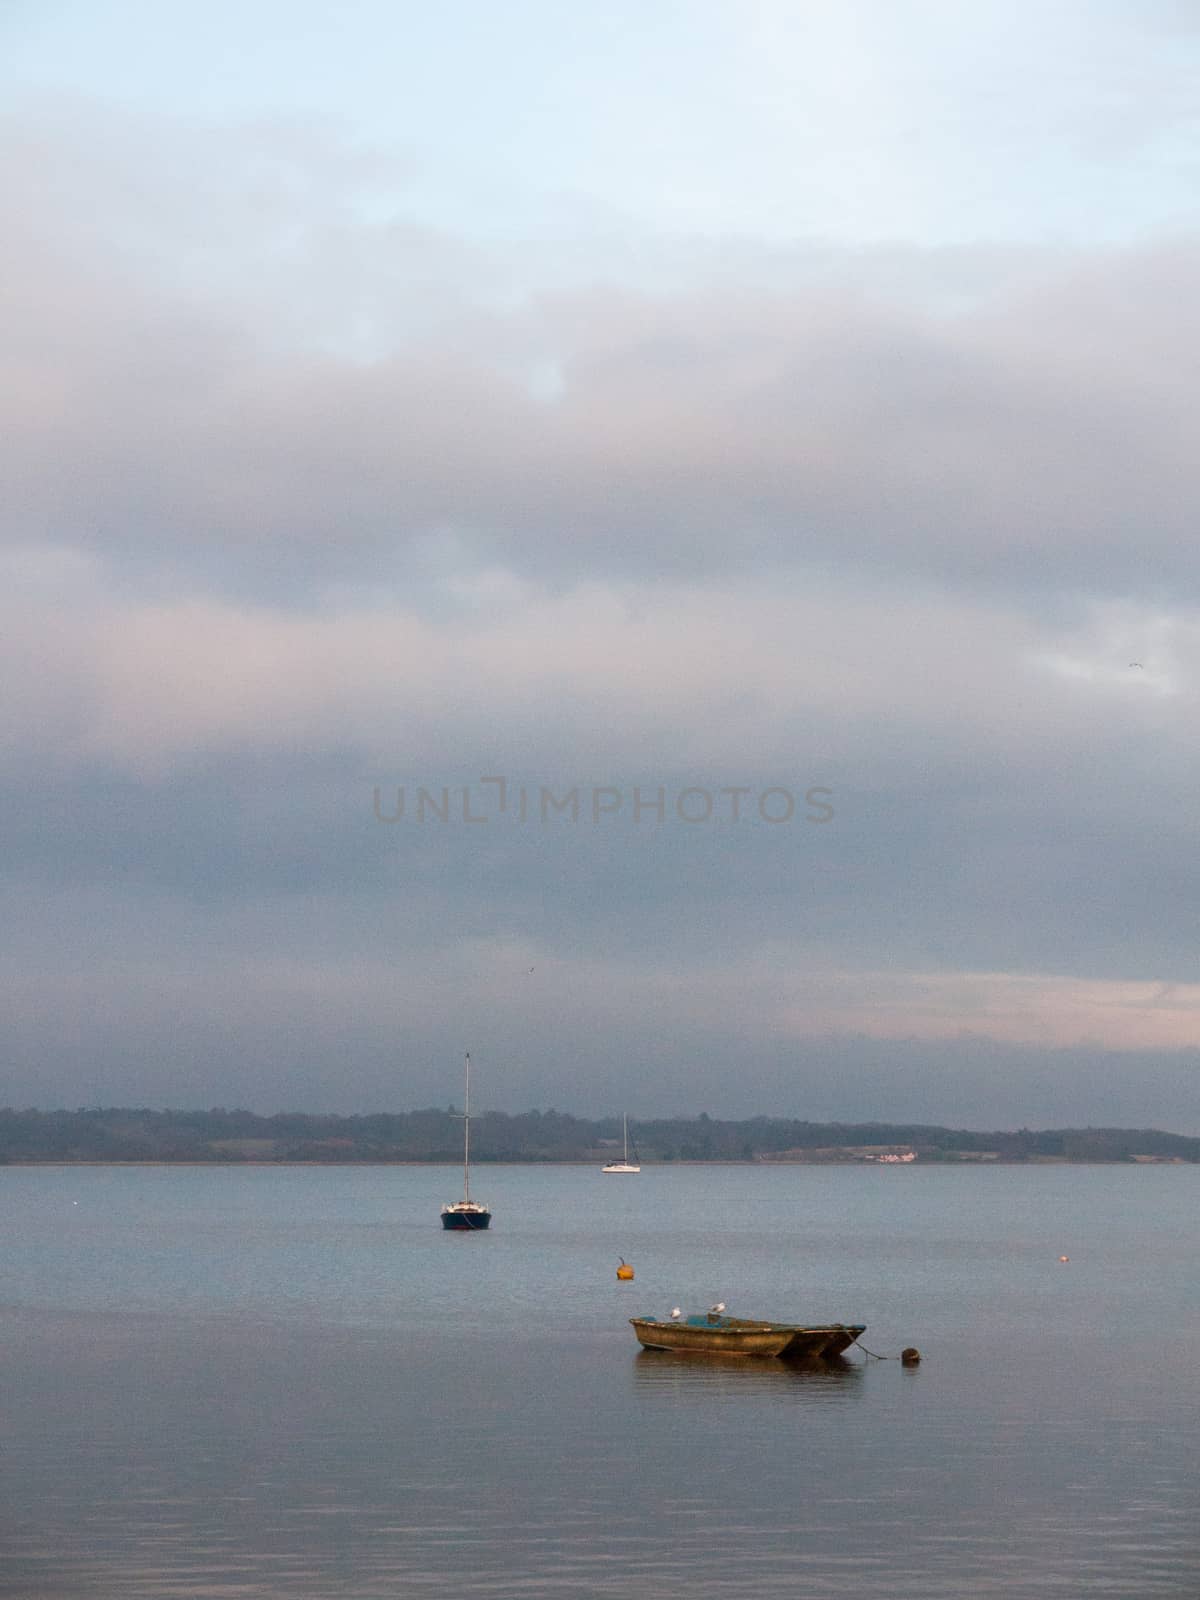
x=654 y=543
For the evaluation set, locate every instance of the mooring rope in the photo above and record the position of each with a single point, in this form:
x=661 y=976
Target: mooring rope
x=909 y=1357
x=872 y=1354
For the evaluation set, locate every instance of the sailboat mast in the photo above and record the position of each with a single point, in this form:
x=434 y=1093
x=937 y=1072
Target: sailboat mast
x=467 y=1134
x=625 y=1126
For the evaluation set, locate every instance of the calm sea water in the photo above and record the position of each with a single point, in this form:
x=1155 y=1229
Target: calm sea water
x=289 y=1382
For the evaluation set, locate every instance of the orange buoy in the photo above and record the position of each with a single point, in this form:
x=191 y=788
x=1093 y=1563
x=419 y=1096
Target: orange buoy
x=624 y=1271
x=1064 y=1258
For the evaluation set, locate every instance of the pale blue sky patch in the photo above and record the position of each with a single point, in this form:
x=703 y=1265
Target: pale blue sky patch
x=929 y=122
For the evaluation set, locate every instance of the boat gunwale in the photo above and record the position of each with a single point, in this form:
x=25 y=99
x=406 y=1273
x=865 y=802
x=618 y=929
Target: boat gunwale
x=746 y=1336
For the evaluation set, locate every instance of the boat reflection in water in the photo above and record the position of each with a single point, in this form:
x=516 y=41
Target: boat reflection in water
x=670 y=1371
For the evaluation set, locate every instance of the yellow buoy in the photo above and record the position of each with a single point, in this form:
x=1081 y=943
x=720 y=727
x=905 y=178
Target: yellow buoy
x=624 y=1271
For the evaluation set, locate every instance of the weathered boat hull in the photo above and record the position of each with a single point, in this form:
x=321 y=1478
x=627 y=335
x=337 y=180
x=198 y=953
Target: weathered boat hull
x=740 y=1336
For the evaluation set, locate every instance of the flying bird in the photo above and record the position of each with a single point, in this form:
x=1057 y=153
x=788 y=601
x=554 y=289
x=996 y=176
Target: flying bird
x=675 y=1314
x=1135 y=663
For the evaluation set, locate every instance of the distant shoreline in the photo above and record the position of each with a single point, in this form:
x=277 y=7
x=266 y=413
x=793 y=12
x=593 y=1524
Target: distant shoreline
x=853 y=1162
x=139 y=1136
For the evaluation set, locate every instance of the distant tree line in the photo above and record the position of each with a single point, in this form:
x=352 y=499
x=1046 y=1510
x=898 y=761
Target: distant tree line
x=231 y=1136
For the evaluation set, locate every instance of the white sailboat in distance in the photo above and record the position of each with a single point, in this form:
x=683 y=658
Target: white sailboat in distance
x=624 y=1165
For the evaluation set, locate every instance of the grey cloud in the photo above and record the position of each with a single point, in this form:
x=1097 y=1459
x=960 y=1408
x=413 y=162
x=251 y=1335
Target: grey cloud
x=263 y=1029
x=159 y=414
x=263 y=556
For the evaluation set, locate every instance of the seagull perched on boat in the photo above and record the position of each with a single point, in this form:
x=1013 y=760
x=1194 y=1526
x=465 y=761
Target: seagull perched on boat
x=720 y=1306
x=675 y=1314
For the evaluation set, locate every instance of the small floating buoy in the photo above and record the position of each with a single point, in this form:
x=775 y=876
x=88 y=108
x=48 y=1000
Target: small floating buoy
x=910 y=1357
x=1064 y=1258
x=624 y=1271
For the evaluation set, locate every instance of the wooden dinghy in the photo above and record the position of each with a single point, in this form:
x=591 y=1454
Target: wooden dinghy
x=714 y=1333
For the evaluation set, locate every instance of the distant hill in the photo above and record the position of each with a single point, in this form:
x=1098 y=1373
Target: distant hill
x=230 y=1137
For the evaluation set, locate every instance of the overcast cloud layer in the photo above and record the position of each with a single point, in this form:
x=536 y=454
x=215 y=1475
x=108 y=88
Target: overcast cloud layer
x=322 y=482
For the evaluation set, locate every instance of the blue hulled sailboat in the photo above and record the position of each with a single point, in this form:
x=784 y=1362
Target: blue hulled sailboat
x=466 y=1215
